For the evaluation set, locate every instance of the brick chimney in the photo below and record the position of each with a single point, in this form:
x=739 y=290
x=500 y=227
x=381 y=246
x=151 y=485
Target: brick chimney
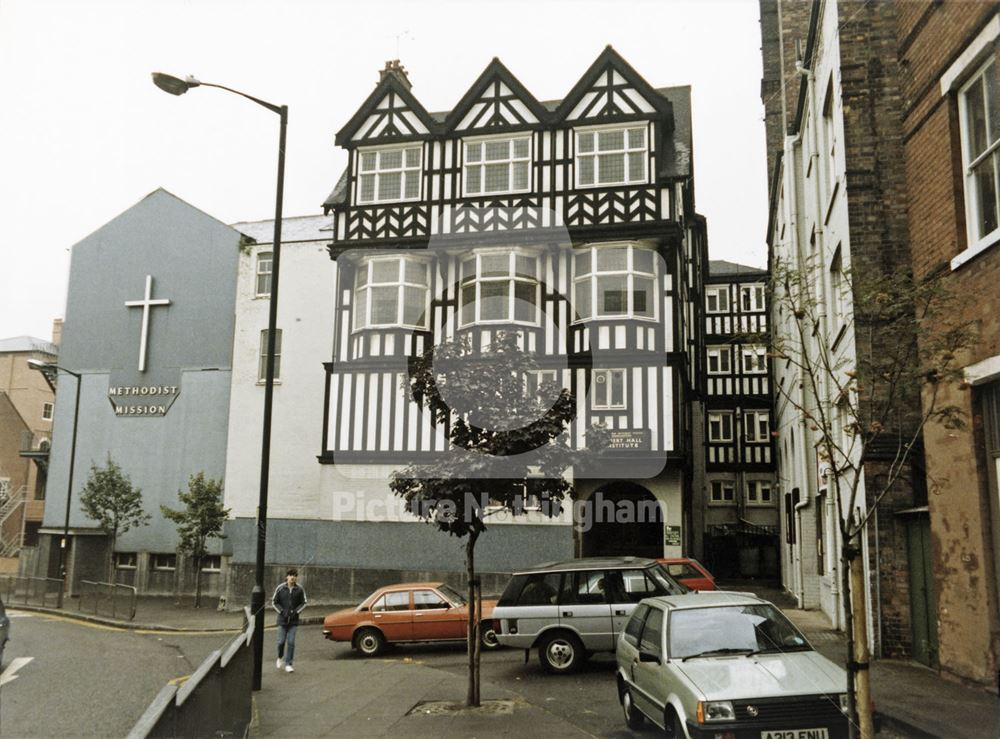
x=397 y=70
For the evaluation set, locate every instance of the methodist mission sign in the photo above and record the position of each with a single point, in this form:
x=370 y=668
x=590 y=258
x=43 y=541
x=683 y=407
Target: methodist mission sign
x=142 y=400
x=151 y=398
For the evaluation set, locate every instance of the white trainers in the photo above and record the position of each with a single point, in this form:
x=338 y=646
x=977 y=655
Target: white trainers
x=289 y=668
x=279 y=663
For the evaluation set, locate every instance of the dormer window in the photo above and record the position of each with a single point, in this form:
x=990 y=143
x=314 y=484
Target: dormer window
x=611 y=156
x=388 y=175
x=391 y=292
x=614 y=281
x=497 y=165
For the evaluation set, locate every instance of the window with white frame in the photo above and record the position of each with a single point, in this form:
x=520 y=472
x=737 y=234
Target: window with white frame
x=500 y=286
x=389 y=175
x=614 y=281
x=165 y=562
x=829 y=139
x=719 y=360
x=720 y=426
x=717 y=299
x=391 y=292
x=211 y=563
x=756 y=426
x=607 y=392
x=722 y=492
x=980 y=126
x=262 y=363
x=759 y=493
x=754 y=360
x=125 y=560
x=838 y=308
x=497 y=165
x=264 y=261
x=611 y=156
x=46 y=411
x=752 y=297
x=538 y=378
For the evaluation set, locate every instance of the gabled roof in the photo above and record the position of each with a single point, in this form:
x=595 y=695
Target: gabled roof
x=389 y=86
x=28 y=344
x=494 y=74
x=610 y=61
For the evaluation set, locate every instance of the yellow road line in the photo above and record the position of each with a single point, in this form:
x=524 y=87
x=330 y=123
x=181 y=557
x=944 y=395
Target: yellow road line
x=178 y=680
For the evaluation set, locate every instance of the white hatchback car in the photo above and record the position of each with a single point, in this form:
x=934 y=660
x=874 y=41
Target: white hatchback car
x=726 y=665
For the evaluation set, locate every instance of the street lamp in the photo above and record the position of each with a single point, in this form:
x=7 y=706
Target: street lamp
x=48 y=369
x=177 y=86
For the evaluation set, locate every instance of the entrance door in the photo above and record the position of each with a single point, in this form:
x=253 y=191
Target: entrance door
x=625 y=519
x=923 y=607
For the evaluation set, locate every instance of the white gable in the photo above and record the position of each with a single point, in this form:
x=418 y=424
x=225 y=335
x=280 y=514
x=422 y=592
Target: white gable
x=392 y=117
x=610 y=95
x=498 y=106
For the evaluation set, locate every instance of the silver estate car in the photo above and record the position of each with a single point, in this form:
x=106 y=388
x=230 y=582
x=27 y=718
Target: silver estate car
x=726 y=664
x=570 y=609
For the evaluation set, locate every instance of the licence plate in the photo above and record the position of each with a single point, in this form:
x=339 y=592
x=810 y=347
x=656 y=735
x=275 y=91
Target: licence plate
x=795 y=734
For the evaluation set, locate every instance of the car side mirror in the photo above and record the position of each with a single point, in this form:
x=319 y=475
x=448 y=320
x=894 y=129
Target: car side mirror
x=645 y=656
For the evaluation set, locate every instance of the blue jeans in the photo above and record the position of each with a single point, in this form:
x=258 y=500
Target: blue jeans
x=286 y=636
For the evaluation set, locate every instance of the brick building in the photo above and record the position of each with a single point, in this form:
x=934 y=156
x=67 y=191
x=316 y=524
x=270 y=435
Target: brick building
x=947 y=53
x=838 y=208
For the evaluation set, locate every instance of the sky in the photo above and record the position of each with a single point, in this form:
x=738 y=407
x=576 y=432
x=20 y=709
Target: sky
x=84 y=134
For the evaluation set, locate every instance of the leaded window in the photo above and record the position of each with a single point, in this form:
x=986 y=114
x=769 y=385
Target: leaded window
x=611 y=156
x=497 y=165
x=389 y=175
x=614 y=281
x=391 y=292
x=608 y=389
x=500 y=286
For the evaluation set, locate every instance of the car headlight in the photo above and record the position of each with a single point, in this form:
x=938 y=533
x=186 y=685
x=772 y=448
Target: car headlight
x=843 y=703
x=715 y=711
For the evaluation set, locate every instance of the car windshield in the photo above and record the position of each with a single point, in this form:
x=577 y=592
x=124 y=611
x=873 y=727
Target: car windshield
x=451 y=594
x=750 y=629
x=664 y=578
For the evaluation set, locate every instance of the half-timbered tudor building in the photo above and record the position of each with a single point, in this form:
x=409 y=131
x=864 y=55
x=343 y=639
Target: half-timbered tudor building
x=739 y=518
x=570 y=222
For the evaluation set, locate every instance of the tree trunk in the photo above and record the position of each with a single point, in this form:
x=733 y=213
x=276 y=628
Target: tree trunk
x=847 y=555
x=472 y=637
x=197 y=582
x=861 y=654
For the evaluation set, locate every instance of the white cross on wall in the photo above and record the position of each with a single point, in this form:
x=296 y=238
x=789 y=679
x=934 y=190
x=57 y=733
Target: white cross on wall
x=146 y=303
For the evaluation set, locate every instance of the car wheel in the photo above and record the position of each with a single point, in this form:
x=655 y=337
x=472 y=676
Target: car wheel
x=488 y=636
x=560 y=653
x=673 y=725
x=633 y=718
x=370 y=642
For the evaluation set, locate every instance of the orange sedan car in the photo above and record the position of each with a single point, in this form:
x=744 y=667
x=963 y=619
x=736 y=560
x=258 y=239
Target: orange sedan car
x=408 y=612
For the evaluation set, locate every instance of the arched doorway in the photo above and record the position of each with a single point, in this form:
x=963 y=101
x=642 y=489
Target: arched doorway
x=622 y=519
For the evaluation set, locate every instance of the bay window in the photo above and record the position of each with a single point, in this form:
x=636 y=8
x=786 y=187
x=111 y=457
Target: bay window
x=611 y=156
x=389 y=175
x=614 y=281
x=391 y=292
x=500 y=286
x=497 y=165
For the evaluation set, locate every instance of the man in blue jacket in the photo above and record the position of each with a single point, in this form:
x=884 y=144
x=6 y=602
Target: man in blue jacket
x=288 y=600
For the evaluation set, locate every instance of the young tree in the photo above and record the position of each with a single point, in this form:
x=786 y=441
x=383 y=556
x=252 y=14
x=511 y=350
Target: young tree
x=109 y=498
x=861 y=401
x=201 y=519
x=504 y=433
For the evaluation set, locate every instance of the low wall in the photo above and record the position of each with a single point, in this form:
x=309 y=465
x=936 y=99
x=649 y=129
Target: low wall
x=215 y=701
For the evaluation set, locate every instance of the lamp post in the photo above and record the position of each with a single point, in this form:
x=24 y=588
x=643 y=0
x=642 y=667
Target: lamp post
x=46 y=368
x=177 y=86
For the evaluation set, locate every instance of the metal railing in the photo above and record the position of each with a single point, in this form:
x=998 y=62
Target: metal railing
x=30 y=591
x=107 y=599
